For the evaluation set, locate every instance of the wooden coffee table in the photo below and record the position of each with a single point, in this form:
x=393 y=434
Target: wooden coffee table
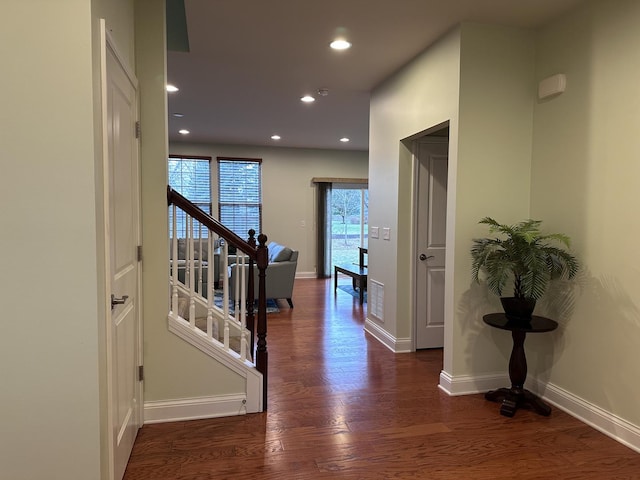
x=357 y=273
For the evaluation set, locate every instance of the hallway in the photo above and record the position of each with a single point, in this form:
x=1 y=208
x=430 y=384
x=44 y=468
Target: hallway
x=341 y=405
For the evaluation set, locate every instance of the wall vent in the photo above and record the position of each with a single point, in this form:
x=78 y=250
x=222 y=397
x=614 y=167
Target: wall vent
x=375 y=299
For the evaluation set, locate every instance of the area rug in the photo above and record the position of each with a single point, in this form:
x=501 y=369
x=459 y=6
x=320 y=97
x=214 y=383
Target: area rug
x=354 y=293
x=272 y=304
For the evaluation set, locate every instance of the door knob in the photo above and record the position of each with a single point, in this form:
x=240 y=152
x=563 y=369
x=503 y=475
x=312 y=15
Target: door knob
x=424 y=257
x=117 y=301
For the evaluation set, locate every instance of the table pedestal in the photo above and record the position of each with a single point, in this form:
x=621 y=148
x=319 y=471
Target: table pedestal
x=517 y=396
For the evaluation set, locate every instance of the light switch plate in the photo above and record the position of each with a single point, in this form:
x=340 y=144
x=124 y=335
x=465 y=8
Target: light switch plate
x=375 y=232
x=386 y=233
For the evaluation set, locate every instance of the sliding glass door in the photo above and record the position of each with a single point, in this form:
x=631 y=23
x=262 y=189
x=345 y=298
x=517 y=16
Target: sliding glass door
x=349 y=222
x=342 y=219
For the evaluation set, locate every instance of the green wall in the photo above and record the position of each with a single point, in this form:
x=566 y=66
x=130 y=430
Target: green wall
x=49 y=343
x=585 y=182
x=493 y=175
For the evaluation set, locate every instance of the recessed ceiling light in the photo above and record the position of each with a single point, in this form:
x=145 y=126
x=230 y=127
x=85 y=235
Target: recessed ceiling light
x=172 y=88
x=275 y=137
x=308 y=99
x=184 y=132
x=344 y=139
x=340 y=44
x=178 y=115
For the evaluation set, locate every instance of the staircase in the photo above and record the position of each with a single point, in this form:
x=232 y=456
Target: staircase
x=231 y=330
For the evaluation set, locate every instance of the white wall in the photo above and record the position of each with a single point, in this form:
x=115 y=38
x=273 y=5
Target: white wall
x=422 y=95
x=586 y=179
x=119 y=16
x=479 y=78
x=49 y=342
x=493 y=176
x=288 y=195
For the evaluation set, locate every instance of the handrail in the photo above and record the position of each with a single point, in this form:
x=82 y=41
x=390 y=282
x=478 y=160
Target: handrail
x=211 y=223
x=255 y=253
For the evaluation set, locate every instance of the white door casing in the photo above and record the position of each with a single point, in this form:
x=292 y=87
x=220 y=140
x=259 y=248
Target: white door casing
x=122 y=237
x=432 y=167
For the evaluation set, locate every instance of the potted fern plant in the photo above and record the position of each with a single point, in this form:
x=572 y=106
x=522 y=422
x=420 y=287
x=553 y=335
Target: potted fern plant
x=523 y=255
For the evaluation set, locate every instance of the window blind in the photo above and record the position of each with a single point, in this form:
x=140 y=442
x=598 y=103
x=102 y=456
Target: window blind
x=190 y=177
x=240 y=194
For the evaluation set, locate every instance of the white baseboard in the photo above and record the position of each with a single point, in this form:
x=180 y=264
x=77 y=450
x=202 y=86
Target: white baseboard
x=470 y=384
x=403 y=345
x=306 y=274
x=606 y=422
x=194 y=408
x=396 y=345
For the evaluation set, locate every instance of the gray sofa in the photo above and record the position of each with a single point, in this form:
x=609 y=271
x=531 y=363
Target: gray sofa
x=200 y=252
x=281 y=273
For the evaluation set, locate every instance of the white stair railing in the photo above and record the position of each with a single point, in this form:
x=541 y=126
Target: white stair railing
x=229 y=329
x=195 y=269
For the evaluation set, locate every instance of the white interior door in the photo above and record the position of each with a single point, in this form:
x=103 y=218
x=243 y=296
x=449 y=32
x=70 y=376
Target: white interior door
x=432 y=166
x=122 y=232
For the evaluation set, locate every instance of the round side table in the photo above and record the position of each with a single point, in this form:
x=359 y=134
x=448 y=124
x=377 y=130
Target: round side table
x=517 y=396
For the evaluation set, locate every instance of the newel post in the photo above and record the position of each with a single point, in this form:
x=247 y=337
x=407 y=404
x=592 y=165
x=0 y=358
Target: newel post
x=262 y=356
x=251 y=296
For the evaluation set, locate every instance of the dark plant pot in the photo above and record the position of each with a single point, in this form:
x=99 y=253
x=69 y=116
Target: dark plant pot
x=518 y=308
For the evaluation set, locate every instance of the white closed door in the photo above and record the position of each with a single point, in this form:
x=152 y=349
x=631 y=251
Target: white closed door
x=122 y=225
x=432 y=166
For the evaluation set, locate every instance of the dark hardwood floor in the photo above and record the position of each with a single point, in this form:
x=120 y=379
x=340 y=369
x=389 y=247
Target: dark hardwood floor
x=341 y=405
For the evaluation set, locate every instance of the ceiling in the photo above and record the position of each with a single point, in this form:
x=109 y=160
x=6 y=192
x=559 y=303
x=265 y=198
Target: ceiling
x=250 y=61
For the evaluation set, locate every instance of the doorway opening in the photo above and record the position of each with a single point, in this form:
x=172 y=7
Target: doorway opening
x=343 y=222
x=349 y=217
x=431 y=164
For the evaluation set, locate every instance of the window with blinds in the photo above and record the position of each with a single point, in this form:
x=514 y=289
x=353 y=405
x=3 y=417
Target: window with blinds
x=240 y=194
x=191 y=178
